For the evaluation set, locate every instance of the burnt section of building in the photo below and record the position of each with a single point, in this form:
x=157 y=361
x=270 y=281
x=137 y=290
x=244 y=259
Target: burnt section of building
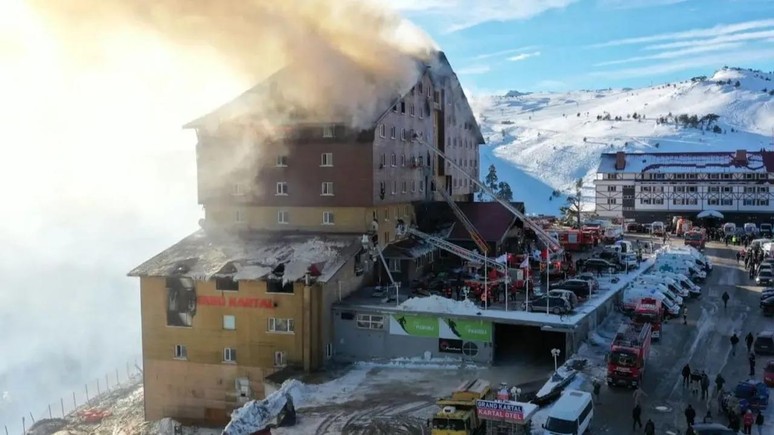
x=515 y=344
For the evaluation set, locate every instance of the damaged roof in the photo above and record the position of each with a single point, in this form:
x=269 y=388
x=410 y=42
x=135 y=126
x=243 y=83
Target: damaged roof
x=491 y=219
x=252 y=256
x=437 y=68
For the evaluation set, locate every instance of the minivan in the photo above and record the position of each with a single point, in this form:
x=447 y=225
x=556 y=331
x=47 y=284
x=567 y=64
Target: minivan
x=571 y=414
x=764 y=343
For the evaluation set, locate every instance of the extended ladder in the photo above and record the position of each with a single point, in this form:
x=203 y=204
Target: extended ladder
x=474 y=234
x=542 y=235
x=456 y=250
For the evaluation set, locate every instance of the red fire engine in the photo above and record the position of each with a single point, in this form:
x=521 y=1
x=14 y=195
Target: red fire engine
x=577 y=240
x=650 y=311
x=696 y=239
x=628 y=353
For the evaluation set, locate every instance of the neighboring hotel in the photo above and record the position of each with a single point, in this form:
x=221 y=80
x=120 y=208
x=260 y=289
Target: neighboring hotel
x=251 y=293
x=651 y=187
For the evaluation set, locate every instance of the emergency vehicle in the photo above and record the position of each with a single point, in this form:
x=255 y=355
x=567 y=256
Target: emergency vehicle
x=696 y=239
x=650 y=311
x=577 y=240
x=628 y=353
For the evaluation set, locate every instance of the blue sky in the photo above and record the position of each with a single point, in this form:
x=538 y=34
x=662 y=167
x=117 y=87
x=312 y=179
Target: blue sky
x=531 y=45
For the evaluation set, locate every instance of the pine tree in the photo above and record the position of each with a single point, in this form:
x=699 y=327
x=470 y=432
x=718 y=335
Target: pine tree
x=504 y=191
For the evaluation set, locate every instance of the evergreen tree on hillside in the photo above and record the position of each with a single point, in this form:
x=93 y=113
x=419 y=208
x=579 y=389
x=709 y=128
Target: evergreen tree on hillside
x=572 y=210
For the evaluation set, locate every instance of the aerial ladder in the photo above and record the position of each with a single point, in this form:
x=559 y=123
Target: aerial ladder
x=544 y=237
x=450 y=247
x=375 y=251
x=474 y=234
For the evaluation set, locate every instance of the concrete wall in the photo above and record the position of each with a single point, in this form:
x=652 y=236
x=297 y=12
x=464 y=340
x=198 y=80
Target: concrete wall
x=354 y=343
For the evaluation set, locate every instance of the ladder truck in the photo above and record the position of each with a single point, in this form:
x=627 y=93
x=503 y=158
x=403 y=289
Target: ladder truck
x=551 y=243
x=474 y=234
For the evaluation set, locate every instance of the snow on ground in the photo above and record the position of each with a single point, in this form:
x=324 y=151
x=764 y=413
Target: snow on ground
x=527 y=133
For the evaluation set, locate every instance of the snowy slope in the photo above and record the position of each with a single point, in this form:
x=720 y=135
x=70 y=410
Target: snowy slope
x=536 y=140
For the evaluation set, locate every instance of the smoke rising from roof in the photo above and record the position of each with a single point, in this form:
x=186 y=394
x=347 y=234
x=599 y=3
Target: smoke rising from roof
x=99 y=176
x=343 y=60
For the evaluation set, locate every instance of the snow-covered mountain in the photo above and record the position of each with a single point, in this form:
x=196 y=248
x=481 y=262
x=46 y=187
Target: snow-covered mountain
x=541 y=143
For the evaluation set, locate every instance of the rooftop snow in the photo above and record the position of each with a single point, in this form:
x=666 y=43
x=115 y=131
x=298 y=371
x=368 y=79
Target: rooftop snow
x=252 y=255
x=703 y=162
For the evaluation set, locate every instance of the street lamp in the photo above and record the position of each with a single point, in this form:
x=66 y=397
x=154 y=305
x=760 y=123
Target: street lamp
x=555 y=353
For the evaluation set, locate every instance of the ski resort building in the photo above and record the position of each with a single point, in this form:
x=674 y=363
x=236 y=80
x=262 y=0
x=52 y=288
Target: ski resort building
x=656 y=186
x=251 y=292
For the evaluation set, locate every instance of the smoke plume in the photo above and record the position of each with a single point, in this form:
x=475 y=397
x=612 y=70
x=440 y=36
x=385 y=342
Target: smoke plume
x=344 y=59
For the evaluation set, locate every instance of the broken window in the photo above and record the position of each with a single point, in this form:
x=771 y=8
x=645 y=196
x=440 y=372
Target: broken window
x=226 y=284
x=402 y=107
x=181 y=301
x=276 y=282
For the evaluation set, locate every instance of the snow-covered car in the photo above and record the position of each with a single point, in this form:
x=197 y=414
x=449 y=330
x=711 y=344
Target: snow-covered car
x=630 y=261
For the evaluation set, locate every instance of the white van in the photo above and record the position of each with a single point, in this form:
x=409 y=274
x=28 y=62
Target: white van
x=571 y=414
x=632 y=296
x=657 y=228
x=680 y=264
x=693 y=290
x=701 y=259
x=670 y=283
x=661 y=288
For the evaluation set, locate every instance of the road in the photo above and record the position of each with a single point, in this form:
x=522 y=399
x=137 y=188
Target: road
x=703 y=343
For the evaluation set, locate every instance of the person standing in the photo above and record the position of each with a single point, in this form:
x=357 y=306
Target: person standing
x=690 y=415
x=719 y=382
x=751 y=360
x=759 y=422
x=636 y=413
x=597 y=389
x=725 y=298
x=705 y=383
x=747 y=422
x=685 y=315
x=748 y=339
x=734 y=341
x=686 y=375
x=650 y=427
x=637 y=395
x=707 y=417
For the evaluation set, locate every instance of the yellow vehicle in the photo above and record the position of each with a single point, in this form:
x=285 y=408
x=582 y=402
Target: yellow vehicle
x=458 y=412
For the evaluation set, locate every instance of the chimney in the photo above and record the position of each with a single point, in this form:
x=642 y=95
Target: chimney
x=620 y=160
x=741 y=157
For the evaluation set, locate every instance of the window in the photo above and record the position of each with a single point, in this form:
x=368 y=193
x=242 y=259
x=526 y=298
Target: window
x=728 y=189
x=713 y=202
x=395 y=108
x=392 y=132
x=329 y=350
x=393 y=160
x=282 y=188
x=726 y=202
x=394 y=186
x=326 y=159
x=421 y=186
x=611 y=201
x=283 y=217
x=402 y=107
x=748 y=202
x=282 y=161
x=226 y=284
x=237 y=189
x=763 y=190
x=403 y=187
x=382 y=130
x=763 y=202
x=611 y=188
x=749 y=190
x=229 y=354
x=382 y=160
x=411 y=110
x=413 y=186
x=327 y=188
x=280 y=359
x=403 y=160
x=420 y=89
x=181 y=352
x=328 y=131
x=394 y=264
x=726 y=176
x=328 y=218
x=239 y=216
x=386 y=214
x=229 y=322
x=403 y=134
x=370 y=321
x=285 y=326
x=713 y=189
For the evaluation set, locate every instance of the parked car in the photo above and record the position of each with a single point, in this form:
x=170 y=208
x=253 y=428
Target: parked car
x=768 y=373
x=755 y=393
x=712 y=429
x=765 y=230
x=765 y=266
x=765 y=277
x=580 y=287
x=566 y=294
x=588 y=276
x=767 y=293
x=599 y=265
x=611 y=256
x=764 y=343
x=556 y=305
x=767 y=306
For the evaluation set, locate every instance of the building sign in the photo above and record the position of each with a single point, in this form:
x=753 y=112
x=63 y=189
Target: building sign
x=235 y=302
x=416 y=326
x=448 y=345
x=505 y=411
x=468 y=330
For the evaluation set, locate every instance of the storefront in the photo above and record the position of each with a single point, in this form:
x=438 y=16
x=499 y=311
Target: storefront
x=361 y=334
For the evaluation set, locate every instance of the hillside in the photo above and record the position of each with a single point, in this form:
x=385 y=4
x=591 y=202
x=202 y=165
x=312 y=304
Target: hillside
x=543 y=142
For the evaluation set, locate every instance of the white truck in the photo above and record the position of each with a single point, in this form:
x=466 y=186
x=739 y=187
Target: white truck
x=633 y=295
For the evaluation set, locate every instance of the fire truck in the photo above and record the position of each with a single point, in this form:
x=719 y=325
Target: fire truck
x=577 y=240
x=628 y=354
x=696 y=239
x=649 y=311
